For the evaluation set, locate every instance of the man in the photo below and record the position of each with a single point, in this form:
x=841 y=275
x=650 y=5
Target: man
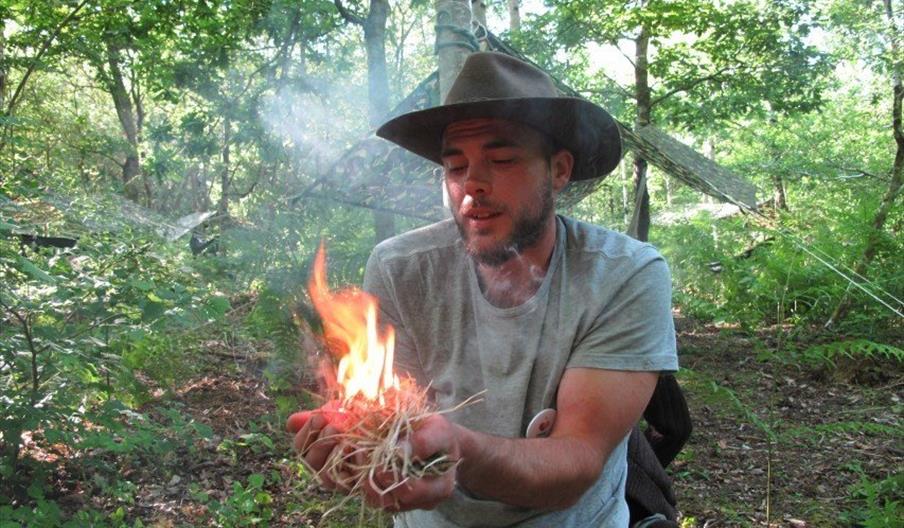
x=540 y=311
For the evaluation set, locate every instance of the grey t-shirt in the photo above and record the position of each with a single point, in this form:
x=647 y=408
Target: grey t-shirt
x=605 y=302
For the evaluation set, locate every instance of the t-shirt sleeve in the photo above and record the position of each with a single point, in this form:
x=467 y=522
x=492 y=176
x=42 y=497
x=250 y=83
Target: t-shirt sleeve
x=378 y=284
x=634 y=330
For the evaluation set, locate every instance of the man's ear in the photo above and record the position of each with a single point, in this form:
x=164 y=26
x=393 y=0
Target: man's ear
x=561 y=164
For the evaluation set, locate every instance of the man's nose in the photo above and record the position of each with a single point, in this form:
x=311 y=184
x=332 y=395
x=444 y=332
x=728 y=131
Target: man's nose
x=478 y=180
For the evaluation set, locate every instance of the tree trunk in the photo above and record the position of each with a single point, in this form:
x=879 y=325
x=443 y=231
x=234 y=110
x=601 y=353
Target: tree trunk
x=3 y=73
x=452 y=48
x=668 y=188
x=626 y=210
x=378 y=93
x=225 y=175
x=514 y=11
x=131 y=169
x=709 y=150
x=896 y=184
x=778 y=192
x=479 y=12
x=375 y=44
x=640 y=228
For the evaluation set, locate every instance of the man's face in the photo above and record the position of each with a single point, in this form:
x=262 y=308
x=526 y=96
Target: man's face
x=501 y=182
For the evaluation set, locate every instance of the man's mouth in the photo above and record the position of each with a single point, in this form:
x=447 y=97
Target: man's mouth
x=480 y=218
x=481 y=215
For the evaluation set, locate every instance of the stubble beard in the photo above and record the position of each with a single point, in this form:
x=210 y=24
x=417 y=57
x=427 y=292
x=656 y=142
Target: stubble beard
x=526 y=232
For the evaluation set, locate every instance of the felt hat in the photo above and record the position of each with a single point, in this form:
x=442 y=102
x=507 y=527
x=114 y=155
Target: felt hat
x=494 y=85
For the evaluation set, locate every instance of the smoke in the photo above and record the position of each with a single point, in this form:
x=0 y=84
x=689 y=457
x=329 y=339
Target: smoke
x=316 y=125
x=507 y=279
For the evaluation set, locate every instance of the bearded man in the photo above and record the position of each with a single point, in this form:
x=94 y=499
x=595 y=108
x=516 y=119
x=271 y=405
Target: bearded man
x=564 y=325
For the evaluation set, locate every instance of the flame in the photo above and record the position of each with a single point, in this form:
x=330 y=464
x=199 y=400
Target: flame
x=352 y=332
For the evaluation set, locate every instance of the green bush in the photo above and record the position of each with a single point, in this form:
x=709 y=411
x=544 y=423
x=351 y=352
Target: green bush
x=83 y=331
x=767 y=276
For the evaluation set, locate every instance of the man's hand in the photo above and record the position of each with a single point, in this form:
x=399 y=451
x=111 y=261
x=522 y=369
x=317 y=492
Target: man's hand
x=315 y=438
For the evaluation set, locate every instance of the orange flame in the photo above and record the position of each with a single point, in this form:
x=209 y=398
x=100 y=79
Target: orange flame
x=352 y=332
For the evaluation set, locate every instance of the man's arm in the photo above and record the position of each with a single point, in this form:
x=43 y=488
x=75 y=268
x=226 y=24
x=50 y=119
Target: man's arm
x=596 y=409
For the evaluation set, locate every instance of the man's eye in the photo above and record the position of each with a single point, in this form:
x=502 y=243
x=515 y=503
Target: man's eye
x=506 y=161
x=456 y=170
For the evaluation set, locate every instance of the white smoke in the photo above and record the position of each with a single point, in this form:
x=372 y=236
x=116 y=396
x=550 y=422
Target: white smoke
x=315 y=126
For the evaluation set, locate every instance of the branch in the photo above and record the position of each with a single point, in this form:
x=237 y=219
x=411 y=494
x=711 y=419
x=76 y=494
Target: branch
x=626 y=56
x=37 y=58
x=855 y=171
x=32 y=347
x=624 y=91
x=241 y=195
x=687 y=86
x=348 y=15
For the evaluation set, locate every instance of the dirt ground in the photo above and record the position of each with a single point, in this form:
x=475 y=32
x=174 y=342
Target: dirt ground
x=774 y=444
x=777 y=443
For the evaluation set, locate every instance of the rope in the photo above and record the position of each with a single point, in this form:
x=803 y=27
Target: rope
x=824 y=261
x=466 y=38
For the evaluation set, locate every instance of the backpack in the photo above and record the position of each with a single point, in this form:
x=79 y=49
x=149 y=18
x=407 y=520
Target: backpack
x=648 y=488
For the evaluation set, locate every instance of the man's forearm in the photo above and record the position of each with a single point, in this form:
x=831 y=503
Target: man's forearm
x=540 y=473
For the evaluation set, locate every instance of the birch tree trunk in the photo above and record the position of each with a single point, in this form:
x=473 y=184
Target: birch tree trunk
x=709 y=150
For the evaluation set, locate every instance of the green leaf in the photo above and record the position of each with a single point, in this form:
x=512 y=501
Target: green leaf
x=35 y=272
x=217 y=307
x=202 y=429
x=256 y=480
x=36 y=491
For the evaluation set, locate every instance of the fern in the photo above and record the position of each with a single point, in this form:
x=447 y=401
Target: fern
x=829 y=353
x=721 y=394
x=814 y=432
x=879 y=504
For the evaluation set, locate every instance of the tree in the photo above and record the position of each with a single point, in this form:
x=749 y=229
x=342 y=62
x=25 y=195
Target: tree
x=873 y=36
x=36 y=46
x=127 y=44
x=697 y=63
x=374 y=25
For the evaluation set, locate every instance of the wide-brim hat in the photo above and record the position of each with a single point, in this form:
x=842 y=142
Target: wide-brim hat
x=494 y=85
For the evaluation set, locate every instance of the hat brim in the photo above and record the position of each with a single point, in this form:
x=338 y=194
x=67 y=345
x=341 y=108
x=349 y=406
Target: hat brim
x=585 y=129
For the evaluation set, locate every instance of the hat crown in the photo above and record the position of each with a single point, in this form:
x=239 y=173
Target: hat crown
x=488 y=75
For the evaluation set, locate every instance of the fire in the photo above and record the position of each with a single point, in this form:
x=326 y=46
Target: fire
x=352 y=332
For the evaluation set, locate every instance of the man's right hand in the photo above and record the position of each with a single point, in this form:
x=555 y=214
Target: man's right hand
x=315 y=438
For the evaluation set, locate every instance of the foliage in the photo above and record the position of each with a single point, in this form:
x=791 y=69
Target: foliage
x=711 y=61
x=247 y=505
x=857 y=349
x=776 y=269
x=85 y=331
x=880 y=504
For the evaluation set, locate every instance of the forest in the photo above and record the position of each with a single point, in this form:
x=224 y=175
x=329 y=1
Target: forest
x=168 y=169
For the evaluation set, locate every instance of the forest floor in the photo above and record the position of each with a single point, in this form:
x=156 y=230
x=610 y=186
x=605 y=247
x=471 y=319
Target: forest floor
x=774 y=444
